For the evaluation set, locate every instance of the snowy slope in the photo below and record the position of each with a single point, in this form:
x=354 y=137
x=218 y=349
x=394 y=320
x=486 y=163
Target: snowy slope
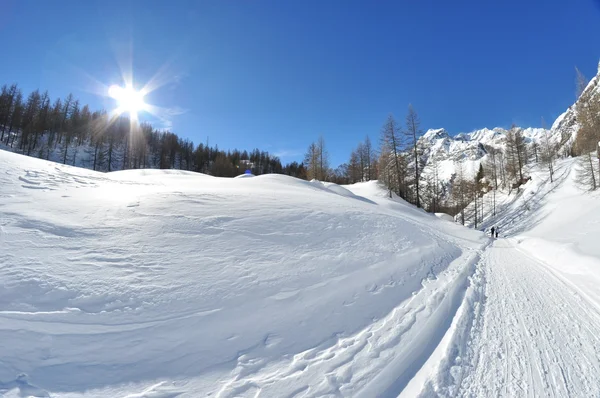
x=566 y=126
x=150 y=283
x=558 y=223
x=529 y=322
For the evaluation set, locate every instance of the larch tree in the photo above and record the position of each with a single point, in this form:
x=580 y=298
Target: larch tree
x=413 y=133
x=460 y=189
x=390 y=161
x=369 y=155
x=588 y=140
x=548 y=151
x=516 y=152
x=311 y=160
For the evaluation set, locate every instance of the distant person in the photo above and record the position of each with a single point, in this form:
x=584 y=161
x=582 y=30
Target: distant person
x=497 y=230
x=493 y=232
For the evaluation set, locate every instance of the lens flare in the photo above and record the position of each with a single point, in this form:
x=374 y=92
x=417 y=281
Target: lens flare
x=128 y=100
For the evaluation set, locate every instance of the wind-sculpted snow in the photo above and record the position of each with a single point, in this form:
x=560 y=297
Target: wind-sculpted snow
x=148 y=283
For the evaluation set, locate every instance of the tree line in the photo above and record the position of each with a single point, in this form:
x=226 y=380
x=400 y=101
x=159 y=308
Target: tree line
x=397 y=164
x=66 y=131
x=71 y=133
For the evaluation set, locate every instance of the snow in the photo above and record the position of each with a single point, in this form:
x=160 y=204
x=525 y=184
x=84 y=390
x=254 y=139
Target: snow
x=530 y=318
x=162 y=283
x=165 y=283
x=445 y=216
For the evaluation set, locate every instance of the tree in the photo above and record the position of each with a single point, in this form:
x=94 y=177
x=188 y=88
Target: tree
x=8 y=102
x=413 y=132
x=433 y=190
x=477 y=188
x=460 y=189
x=311 y=160
x=316 y=160
x=369 y=155
x=222 y=167
x=323 y=159
x=36 y=127
x=516 y=153
x=588 y=138
x=15 y=118
x=535 y=147
x=354 y=167
x=548 y=151
x=491 y=170
x=391 y=160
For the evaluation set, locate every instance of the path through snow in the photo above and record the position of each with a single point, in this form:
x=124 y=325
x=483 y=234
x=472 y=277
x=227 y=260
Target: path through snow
x=528 y=334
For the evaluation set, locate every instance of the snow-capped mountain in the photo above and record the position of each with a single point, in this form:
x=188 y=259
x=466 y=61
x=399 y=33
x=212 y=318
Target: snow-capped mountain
x=470 y=148
x=467 y=148
x=565 y=126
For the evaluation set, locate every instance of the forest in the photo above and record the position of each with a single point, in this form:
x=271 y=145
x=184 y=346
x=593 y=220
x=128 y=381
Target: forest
x=68 y=132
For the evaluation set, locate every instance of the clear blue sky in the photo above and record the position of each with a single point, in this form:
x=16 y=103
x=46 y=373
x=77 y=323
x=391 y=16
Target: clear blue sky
x=276 y=74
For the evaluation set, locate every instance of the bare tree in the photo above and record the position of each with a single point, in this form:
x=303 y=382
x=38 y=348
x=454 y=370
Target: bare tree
x=548 y=151
x=491 y=171
x=391 y=155
x=369 y=155
x=588 y=138
x=316 y=160
x=323 y=159
x=460 y=189
x=516 y=153
x=354 y=167
x=412 y=133
x=433 y=190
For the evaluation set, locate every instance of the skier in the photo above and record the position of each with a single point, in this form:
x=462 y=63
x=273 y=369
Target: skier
x=493 y=232
x=497 y=230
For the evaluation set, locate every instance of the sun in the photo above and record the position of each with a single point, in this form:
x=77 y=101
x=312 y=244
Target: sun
x=128 y=100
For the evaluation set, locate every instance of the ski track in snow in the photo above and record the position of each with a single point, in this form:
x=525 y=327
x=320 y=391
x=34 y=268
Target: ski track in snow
x=535 y=336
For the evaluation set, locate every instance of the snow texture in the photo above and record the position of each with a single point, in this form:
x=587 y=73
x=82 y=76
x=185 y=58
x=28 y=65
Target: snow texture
x=163 y=283
x=166 y=283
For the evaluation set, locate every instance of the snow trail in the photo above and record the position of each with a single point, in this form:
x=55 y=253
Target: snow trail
x=536 y=336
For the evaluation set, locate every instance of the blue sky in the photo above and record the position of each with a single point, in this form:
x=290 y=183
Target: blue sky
x=277 y=74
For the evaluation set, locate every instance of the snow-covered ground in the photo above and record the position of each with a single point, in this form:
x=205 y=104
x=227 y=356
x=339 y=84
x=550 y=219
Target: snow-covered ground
x=530 y=321
x=167 y=283
x=153 y=283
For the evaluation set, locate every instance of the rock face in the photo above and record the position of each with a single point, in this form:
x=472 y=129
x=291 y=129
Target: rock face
x=565 y=127
x=466 y=148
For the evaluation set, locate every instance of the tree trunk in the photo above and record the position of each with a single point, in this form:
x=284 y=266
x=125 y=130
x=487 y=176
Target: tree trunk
x=592 y=172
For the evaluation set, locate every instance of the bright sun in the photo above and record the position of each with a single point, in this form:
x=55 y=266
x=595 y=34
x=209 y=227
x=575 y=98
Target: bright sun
x=128 y=100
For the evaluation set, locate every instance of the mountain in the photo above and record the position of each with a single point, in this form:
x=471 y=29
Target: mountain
x=565 y=126
x=469 y=149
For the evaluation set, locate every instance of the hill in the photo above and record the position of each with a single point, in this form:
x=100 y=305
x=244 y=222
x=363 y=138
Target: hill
x=171 y=283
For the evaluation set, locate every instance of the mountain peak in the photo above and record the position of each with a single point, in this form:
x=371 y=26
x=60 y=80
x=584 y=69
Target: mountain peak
x=434 y=134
